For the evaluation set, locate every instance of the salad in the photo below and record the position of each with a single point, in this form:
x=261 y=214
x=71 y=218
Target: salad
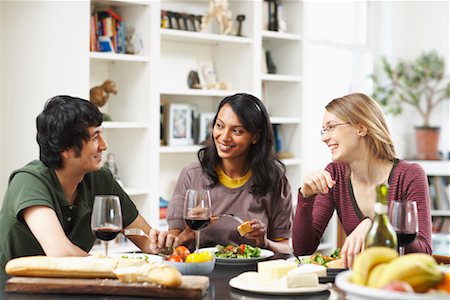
x=321 y=259
x=241 y=251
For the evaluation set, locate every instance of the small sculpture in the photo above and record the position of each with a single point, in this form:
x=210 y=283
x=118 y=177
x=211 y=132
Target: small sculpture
x=193 y=80
x=219 y=10
x=110 y=163
x=99 y=95
x=240 y=19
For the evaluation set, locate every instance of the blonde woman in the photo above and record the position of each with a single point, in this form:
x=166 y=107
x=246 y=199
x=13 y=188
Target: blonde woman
x=363 y=155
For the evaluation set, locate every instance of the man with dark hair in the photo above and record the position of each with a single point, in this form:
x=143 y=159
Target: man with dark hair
x=48 y=204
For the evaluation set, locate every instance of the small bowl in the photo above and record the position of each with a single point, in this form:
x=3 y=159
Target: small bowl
x=203 y=268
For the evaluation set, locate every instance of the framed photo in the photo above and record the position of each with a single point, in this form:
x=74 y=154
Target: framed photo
x=179 y=125
x=206 y=74
x=206 y=125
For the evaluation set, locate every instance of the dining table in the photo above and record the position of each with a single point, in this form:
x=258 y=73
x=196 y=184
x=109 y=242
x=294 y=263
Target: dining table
x=219 y=288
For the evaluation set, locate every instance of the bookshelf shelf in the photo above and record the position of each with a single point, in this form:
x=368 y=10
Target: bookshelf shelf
x=198 y=92
x=124 y=125
x=435 y=167
x=291 y=162
x=198 y=37
x=280 y=78
x=179 y=149
x=112 y=57
x=440 y=213
x=285 y=120
x=267 y=34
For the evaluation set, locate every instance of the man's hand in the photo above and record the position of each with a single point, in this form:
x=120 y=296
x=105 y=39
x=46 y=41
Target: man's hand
x=162 y=241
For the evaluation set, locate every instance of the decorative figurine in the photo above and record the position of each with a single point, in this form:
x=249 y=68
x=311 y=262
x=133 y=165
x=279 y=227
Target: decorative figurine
x=99 y=95
x=110 y=163
x=219 y=10
x=240 y=19
x=271 y=68
x=193 y=80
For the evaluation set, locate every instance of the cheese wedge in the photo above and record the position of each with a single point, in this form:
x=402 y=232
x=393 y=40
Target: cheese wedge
x=319 y=270
x=299 y=278
x=275 y=269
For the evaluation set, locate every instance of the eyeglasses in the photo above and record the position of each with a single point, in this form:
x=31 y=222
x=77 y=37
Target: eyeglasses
x=331 y=127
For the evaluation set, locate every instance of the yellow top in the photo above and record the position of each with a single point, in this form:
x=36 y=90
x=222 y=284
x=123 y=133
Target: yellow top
x=231 y=182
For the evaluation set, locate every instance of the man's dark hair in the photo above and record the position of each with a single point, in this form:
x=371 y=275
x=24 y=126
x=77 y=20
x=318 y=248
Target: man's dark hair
x=266 y=167
x=64 y=124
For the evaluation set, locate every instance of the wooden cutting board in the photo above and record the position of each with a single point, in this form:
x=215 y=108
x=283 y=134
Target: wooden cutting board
x=192 y=287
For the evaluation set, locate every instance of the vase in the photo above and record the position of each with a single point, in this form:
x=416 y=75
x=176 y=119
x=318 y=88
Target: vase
x=427 y=139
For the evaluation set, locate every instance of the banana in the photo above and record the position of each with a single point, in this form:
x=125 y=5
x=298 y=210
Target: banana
x=375 y=274
x=418 y=269
x=368 y=259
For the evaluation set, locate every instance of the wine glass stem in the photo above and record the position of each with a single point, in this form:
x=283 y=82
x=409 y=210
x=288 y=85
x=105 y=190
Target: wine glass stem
x=401 y=250
x=106 y=249
x=197 y=240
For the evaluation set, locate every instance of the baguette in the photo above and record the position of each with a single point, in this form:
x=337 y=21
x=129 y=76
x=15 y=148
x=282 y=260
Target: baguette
x=91 y=267
x=74 y=267
x=244 y=228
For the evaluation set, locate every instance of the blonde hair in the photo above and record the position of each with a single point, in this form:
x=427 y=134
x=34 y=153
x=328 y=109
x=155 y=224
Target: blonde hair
x=360 y=109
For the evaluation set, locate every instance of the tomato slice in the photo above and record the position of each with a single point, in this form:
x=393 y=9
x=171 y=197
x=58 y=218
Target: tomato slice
x=175 y=258
x=181 y=251
x=241 y=248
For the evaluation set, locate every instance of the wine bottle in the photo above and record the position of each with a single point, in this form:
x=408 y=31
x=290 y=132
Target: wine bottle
x=381 y=233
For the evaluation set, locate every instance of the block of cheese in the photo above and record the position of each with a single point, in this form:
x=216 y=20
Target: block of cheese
x=319 y=270
x=299 y=278
x=244 y=228
x=275 y=269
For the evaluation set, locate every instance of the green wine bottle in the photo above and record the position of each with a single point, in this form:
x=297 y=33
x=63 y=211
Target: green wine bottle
x=381 y=233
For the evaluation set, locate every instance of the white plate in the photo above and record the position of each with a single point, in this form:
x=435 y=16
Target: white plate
x=355 y=291
x=239 y=261
x=238 y=283
x=147 y=257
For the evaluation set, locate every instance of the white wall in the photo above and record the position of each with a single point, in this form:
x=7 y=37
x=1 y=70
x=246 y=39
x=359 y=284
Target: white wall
x=44 y=52
x=405 y=29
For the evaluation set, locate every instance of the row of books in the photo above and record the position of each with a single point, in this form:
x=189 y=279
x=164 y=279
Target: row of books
x=439 y=192
x=441 y=224
x=107 y=32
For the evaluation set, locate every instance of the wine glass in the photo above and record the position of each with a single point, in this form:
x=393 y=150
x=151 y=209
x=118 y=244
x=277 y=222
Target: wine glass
x=403 y=217
x=197 y=212
x=106 y=221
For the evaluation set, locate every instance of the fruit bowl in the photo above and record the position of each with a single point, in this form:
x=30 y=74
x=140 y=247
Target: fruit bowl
x=193 y=268
x=359 y=292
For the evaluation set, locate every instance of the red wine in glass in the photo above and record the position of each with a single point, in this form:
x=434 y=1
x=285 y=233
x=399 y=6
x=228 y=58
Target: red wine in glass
x=405 y=238
x=106 y=219
x=403 y=217
x=196 y=223
x=106 y=233
x=197 y=212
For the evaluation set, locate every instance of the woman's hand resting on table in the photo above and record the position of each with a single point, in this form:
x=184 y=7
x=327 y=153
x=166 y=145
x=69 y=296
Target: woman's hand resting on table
x=319 y=182
x=354 y=243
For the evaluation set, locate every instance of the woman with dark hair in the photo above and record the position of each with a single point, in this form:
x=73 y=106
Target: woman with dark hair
x=244 y=176
x=363 y=154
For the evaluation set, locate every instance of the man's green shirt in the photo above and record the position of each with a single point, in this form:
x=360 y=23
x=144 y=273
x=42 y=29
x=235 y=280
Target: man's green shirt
x=36 y=184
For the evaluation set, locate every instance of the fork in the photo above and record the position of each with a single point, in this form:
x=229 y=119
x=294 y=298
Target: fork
x=229 y=215
x=139 y=232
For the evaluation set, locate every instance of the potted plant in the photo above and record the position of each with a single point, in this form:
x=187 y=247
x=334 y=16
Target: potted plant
x=420 y=83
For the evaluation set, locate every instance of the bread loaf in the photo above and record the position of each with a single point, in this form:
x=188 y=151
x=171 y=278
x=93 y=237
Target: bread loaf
x=244 y=228
x=91 y=267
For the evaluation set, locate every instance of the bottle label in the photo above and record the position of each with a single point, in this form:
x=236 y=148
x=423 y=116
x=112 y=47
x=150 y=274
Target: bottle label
x=380 y=208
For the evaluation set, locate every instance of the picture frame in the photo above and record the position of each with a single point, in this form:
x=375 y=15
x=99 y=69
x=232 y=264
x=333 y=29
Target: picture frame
x=205 y=126
x=207 y=74
x=179 y=125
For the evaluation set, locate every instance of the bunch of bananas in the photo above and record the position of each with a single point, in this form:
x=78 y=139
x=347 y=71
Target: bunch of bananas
x=378 y=266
